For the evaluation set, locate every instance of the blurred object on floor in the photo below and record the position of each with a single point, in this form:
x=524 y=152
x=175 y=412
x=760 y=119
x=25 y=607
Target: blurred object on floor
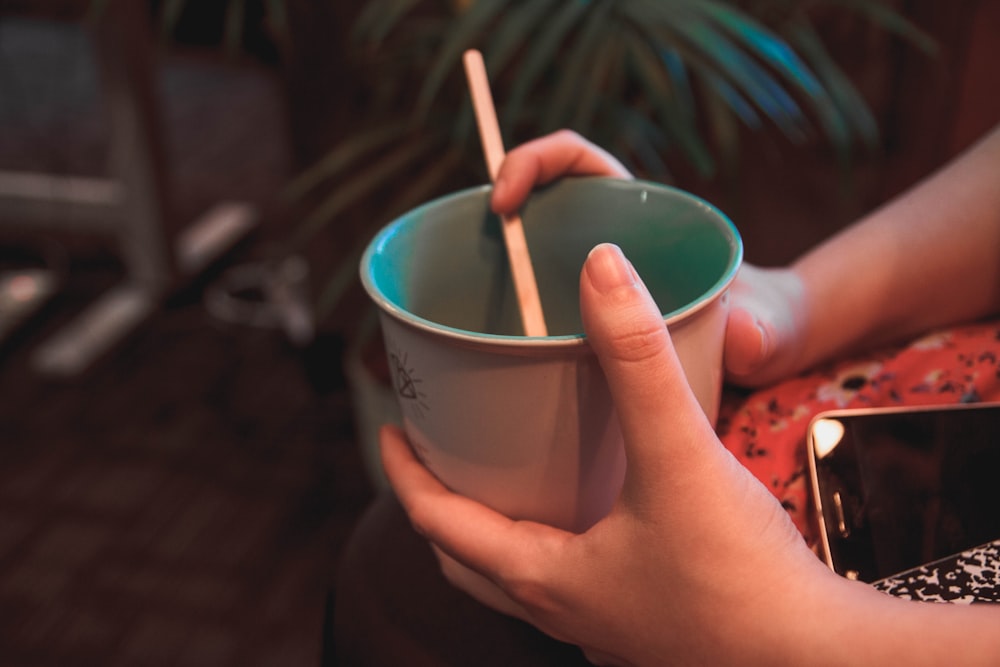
x=132 y=205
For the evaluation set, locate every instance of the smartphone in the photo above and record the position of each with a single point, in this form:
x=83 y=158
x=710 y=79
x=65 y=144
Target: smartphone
x=897 y=488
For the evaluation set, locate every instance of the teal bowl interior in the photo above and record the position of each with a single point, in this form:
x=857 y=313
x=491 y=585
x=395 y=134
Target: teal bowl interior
x=444 y=266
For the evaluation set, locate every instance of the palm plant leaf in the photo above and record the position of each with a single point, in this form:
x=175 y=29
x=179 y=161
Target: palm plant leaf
x=538 y=56
x=640 y=138
x=580 y=71
x=277 y=20
x=764 y=44
x=606 y=83
x=777 y=53
x=849 y=108
x=421 y=189
x=722 y=90
x=96 y=10
x=710 y=51
x=378 y=18
x=514 y=29
x=346 y=155
x=170 y=14
x=670 y=107
x=722 y=107
x=739 y=68
x=463 y=34
x=404 y=158
x=680 y=82
x=233 y=27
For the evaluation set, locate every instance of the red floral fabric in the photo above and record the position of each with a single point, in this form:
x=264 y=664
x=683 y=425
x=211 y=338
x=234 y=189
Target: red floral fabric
x=765 y=429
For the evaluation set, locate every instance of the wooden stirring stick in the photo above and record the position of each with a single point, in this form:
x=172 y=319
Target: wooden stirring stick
x=513 y=230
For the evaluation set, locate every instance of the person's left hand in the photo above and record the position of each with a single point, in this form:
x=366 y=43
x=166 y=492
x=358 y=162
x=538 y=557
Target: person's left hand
x=694 y=561
x=766 y=330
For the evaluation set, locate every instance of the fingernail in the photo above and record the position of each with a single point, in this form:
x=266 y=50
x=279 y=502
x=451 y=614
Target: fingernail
x=608 y=269
x=765 y=343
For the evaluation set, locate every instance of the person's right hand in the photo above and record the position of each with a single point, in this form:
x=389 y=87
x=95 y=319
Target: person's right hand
x=543 y=160
x=696 y=563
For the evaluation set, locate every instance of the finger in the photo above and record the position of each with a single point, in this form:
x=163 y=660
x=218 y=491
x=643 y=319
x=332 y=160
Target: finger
x=473 y=534
x=478 y=586
x=746 y=346
x=600 y=658
x=543 y=160
x=659 y=414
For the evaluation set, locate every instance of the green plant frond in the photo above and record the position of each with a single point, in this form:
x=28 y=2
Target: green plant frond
x=677 y=73
x=95 y=10
x=893 y=21
x=642 y=142
x=277 y=21
x=233 y=28
x=362 y=184
x=671 y=111
x=431 y=182
x=515 y=28
x=738 y=104
x=540 y=54
x=379 y=17
x=840 y=110
x=372 y=10
x=764 y=44
x=708 y=50
x=337 y=283
x=618 y=79
x=582 y=64
x=421 y=189
x=849 y=114
x=723 y=106
x=170 y=14
x=591 y=99
x=345 y=155
x=749 y=77
x=609 y=71
x=465 y=131
x=466 y=30
x=706 y=53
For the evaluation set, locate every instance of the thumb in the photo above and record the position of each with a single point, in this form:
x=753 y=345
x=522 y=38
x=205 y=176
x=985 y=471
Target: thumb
x=748 y=345
x=658 y=412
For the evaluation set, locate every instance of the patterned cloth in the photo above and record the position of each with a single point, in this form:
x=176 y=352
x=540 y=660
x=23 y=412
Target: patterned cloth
x=964 y=578
x=766 y=429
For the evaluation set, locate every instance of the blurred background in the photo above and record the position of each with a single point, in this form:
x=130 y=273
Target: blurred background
x=189 y=371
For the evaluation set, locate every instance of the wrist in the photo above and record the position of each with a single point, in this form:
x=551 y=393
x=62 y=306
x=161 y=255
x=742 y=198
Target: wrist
x=842 y=622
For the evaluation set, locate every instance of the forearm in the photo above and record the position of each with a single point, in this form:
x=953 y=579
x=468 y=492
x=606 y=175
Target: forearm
x=812 y=616
x=926 y=259
x=857 y=625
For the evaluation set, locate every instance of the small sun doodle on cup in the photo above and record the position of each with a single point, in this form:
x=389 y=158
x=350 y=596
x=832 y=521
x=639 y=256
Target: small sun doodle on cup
x=407 y=383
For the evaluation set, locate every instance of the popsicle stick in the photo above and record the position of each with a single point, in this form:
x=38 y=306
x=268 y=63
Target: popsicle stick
x=513 y=229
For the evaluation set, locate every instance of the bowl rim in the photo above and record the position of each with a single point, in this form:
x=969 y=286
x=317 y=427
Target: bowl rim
x=674 y=317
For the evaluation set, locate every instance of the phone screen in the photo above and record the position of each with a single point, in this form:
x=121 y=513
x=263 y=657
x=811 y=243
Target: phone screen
x=898 y=488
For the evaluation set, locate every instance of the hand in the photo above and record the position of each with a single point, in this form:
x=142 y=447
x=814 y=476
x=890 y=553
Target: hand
x=562 y=153
x=695 y=562
x=766 y=331
x=765 y=326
